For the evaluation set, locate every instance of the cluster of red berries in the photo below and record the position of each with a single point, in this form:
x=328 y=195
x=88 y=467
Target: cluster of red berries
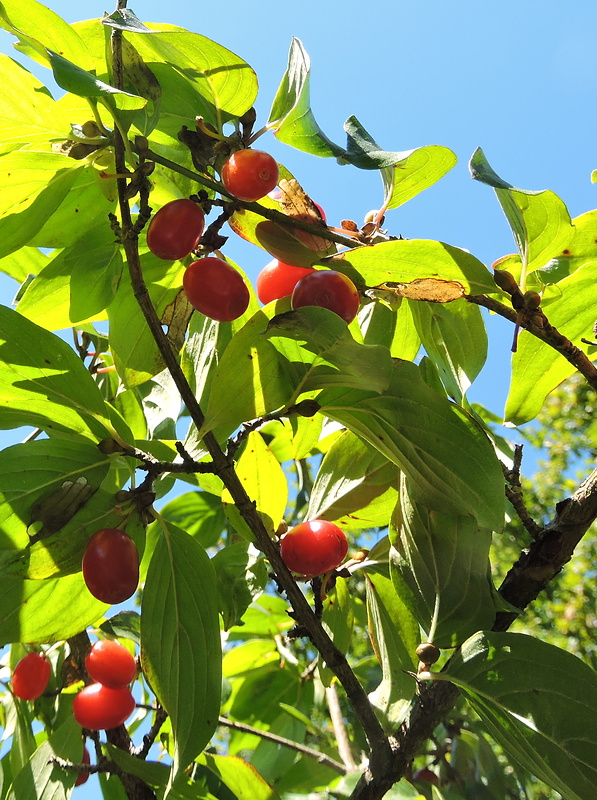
x=104 y=704
x=212 y=285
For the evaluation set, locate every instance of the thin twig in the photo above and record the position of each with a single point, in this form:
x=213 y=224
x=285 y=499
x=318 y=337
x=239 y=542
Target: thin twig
x=340 y=732
x=320 y=757
x=515 y=496
x=160 y=717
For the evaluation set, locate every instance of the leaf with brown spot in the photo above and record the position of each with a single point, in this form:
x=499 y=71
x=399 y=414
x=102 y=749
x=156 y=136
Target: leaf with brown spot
x=433 y=290
x=296 y=203
x=176 y=317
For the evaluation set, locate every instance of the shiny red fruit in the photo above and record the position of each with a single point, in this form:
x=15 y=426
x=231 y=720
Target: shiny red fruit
x=278 y=279
x=175 y=229
x=31 y=676
x=83 y=777
x=111 y=664
x=250 y=174
x=111 y=566
x=216 y=289
x=313 y=548
x=98 y=707
x=328 y=289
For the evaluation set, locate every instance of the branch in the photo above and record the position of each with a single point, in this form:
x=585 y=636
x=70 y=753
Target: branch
x=537 y=324
x=321 y=758
x=331 y=695
x=268 y=213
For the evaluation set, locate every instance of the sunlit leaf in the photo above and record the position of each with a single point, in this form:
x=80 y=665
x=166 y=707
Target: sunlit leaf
x=540 y=221
x=536 y=367
x=241 y=778
x=453 y=334
x=44 y=383
x=409 y=260
x=352 y=476
x=265 y=483
x=448 y=459
x=291 y=110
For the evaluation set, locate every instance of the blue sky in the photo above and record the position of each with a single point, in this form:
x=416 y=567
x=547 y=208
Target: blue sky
x=518 y=78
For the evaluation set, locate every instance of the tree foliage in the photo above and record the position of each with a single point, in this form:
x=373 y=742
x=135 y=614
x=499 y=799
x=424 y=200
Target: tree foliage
x=382 y=678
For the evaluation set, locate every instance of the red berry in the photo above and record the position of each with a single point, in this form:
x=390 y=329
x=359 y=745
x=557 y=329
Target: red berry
x=98 y=707
x=83 y=777
x=111 y=664
x=111 y=566
x=250 y=174
x=328 y=289
x=278 y=279
x=175 y=229
x=216 y=289
x=426 y=775
x=313 y=548
x=31 y=676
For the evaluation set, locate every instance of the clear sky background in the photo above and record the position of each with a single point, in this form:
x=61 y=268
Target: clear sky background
x=516 y=77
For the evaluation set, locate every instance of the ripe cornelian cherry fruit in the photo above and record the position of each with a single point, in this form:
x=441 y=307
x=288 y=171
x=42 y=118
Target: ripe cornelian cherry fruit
x=83 y=777
x=31 y=676
x=328 y=289
x=98 y=707
x=175 y=229
x=250 y=174
x=277 y=280
x=216 y=289
x=110 y=663
x=314 y=547
x=111 y=566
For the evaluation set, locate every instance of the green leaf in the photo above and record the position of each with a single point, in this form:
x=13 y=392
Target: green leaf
x=36 y=21
x=153 y=773
x=200 y=514
x=317 y=351
x=267 y=616
x=83 y=212
x=394 y=635
x=242 y=575
x=352 y=477
x=410 y=261
x=24 y=262
x=581 y=250
x=180 y=635
x=136 y=354
x=71 y=289
x=78 y=81
x=41 y=779
x=404 y=174
x=540 y=221
x=28 y=113
x=440 y=568
x=454 y=336
x=46 y=611
x=447 y=457
x=423 y=167
x=43 y=484
x=33 y=186
x=248 y=657
x=536 y=367
x=241 y=778
x=291 y=111
x=538 y=702
x=338 y=621
x=264 y=481
x=222 y=84
x=140 y=80
x=43 y=383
